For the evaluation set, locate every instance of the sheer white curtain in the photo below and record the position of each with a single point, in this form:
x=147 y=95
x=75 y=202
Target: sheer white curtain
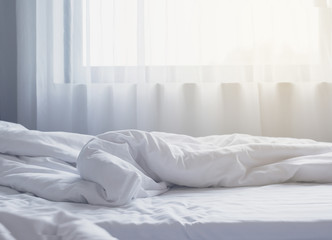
x=197 y=67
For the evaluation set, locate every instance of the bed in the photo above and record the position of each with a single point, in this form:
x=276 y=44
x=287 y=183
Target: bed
x=138 y=185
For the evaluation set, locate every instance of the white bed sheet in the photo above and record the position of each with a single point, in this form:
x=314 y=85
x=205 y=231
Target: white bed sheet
x=282 y=211
x=132 y=167
x=116 y=167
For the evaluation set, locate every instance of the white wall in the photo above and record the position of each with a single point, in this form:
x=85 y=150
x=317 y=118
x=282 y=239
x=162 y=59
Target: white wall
x=8 y=61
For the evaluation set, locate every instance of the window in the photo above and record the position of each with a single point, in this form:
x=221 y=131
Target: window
x=199 y=32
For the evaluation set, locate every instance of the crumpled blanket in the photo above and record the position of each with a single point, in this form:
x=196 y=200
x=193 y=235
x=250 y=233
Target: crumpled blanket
x=116 y=167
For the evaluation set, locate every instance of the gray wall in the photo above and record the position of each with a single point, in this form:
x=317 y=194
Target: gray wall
x=8 y=61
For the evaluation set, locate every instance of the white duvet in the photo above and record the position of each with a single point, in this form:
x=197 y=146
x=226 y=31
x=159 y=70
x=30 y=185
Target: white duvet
x=114 y=168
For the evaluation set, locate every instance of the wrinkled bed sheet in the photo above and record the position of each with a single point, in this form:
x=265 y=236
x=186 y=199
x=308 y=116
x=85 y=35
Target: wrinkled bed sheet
x=294 y=211
x=114 y=168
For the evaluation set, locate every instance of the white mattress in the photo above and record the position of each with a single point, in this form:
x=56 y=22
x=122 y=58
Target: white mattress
x=283 y=211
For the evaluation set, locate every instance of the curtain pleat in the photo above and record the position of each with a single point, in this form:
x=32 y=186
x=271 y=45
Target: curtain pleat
x=192 y=67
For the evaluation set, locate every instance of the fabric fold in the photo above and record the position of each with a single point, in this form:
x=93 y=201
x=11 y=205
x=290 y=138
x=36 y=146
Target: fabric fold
x=116 y=167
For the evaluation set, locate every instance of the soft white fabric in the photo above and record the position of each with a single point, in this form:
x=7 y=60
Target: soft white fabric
x=116 y=167
x=218 y=161
x=17 y=140
x=46 y=167
x=274 y=212
x=5 y=234
x=40 y=225
x=193 y=67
